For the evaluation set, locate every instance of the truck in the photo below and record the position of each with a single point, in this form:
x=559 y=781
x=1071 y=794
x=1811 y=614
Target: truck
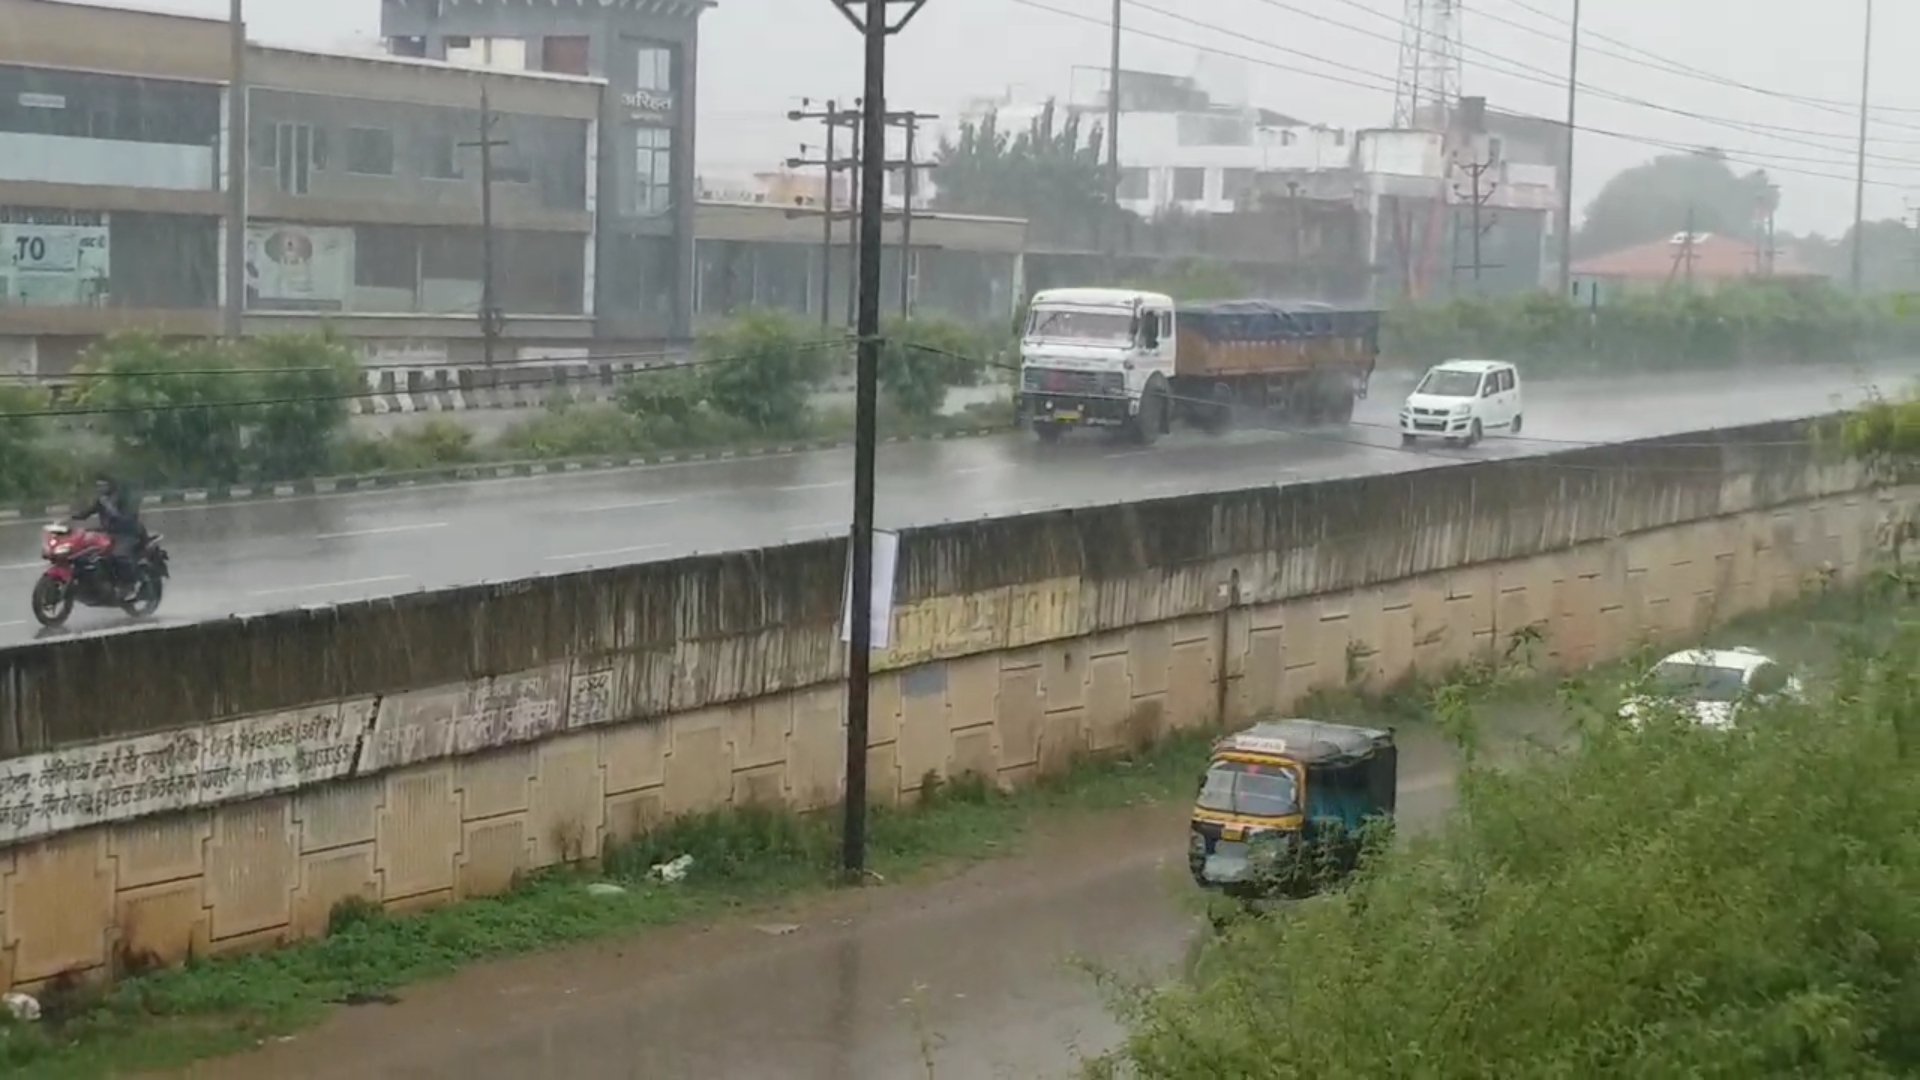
x=1138 y=362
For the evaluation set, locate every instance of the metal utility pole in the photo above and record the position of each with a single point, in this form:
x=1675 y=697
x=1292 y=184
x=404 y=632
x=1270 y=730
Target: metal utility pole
x=857 y=201
x=911 y=121
x=1478 y=192
x=234 y=316
x=875 y=27
x=490 y=316
x=1113 y=147
x=1684 y=254
x=1566 y=172
x=834 y=118
x=1860 y=150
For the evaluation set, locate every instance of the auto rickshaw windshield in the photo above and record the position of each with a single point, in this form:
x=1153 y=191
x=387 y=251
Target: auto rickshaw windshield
x=1238 y=787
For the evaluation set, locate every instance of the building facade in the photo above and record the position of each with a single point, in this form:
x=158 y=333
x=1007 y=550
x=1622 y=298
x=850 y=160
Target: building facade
x=363 y=190
x=646 y=52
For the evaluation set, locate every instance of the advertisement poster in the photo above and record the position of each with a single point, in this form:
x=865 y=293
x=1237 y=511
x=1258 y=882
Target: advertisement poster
x=299 y=267
x=52 y=259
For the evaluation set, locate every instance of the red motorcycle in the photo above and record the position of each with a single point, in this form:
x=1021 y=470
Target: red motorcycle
x=80 y=571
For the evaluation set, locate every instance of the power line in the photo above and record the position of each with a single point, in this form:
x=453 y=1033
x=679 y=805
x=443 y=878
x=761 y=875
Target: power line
x=1659 y=62
x=1764 y=161
x=1531 y=73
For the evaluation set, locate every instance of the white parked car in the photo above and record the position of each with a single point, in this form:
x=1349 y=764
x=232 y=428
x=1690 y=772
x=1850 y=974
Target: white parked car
x=1712 y=685
x=1461 y=400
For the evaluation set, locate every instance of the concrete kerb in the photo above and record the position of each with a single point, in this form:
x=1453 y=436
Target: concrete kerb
x=504 y=470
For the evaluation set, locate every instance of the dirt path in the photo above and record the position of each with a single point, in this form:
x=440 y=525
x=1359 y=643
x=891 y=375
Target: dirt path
x=979 y=973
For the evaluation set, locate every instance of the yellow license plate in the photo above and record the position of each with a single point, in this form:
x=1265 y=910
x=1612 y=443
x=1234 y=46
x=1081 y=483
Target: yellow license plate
x=1233 y=832
x=1066 y=414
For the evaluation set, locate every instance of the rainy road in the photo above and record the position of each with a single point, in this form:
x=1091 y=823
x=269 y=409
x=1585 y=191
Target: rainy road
x=982 y=977
x=254 y=557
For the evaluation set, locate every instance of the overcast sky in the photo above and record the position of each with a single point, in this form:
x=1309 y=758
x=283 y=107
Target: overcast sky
x=758 y=57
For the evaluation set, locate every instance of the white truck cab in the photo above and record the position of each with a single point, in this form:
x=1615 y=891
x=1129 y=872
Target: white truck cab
x=1461 y=400
x=1097 y=358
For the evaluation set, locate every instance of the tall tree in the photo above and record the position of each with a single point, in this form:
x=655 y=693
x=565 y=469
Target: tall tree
x=1051 y=174
x=1655 y=200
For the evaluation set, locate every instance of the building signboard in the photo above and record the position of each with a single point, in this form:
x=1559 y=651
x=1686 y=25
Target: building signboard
x=53 y=258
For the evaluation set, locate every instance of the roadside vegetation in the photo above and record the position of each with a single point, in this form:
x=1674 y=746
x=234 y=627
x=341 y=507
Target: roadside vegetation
x=171 y=414
x=746 y=859
x=1664 y=902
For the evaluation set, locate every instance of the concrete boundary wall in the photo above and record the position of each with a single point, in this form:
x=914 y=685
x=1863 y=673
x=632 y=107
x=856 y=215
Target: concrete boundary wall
x=418 y=750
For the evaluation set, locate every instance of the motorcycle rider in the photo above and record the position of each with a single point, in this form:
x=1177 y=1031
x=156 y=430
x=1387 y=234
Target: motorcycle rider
x=120 y=520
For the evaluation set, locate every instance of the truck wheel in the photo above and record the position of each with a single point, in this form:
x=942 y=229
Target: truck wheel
x=1049 y=431
x=1216 y=415
x=1341 y=410
x=1151 y=420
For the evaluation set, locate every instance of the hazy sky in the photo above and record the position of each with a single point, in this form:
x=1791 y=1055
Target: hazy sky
x=759 y=57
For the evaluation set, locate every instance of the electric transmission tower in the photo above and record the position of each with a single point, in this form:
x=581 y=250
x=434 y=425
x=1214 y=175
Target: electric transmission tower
x=1428 y=82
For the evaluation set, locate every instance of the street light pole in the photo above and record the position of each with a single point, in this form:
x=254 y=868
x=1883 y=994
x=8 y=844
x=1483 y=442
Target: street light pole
x=233 y=315
x=1566 y=172
x=1860 y=151
x=873 y=23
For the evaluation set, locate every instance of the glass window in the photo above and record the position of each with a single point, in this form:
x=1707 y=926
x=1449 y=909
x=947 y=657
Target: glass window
x=1189 y=184
x=1444 y=383
x=1063 y=324
x=370 y=151
x=1235 y=787
x=653 y=69
x=1697 y=682
x=652 y=191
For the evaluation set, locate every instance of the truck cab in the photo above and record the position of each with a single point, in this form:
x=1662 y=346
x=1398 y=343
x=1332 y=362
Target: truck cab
x=1097 y=358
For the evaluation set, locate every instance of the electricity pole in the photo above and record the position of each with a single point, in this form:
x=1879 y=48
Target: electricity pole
x=1113 y=147
x=1479 y=191
x=875 y=27
x=1566 y=172
x=911 y=121
x=1860 y=151
x=834 y=119
x=234 y=316
x=490 y=319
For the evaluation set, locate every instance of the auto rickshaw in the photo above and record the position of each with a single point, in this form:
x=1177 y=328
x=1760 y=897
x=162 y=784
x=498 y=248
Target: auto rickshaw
x=1285 y=806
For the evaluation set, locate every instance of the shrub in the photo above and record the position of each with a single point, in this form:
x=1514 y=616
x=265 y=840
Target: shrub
x=25 y=459
x=1757 y=322
x=213 y=412
x=432 y=443
x=924 y=358
x=1666 y=902
x=763 y=367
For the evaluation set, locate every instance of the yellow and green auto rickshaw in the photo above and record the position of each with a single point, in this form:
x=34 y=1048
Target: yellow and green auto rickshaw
x=1284 y=806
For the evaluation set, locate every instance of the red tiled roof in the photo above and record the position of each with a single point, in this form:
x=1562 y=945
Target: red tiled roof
x=1714 y=257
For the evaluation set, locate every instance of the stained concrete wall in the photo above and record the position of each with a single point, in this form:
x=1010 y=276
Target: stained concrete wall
x=418 y=750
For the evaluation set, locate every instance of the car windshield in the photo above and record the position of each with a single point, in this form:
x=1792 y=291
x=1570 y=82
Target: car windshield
x=1697 y=682
x=1237 y=787
x=1064 y=324
x=1441 y=382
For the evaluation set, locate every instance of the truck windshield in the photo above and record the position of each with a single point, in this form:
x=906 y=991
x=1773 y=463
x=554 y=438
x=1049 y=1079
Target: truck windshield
x=1236 y=787
x=1443 y=383
x=1062 y=324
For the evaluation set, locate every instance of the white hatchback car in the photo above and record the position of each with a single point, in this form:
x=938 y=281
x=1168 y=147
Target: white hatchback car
x=1711 y=685
x=1461 y=400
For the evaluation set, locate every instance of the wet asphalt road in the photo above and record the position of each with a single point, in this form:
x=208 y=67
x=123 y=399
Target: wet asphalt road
x=981 y=977
x=250 y=558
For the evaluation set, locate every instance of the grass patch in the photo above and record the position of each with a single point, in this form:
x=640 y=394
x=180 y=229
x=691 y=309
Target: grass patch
x=742 y=857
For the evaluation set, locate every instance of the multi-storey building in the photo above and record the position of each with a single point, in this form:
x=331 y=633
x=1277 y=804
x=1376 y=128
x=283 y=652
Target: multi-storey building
x=364 y=195
x=646 y=51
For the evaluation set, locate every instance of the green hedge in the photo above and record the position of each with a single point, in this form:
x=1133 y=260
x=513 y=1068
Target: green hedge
x=1749 y=323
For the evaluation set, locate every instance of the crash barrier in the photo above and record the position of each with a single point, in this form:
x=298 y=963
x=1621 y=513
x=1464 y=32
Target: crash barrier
x=508 y=386
x=419 y=749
